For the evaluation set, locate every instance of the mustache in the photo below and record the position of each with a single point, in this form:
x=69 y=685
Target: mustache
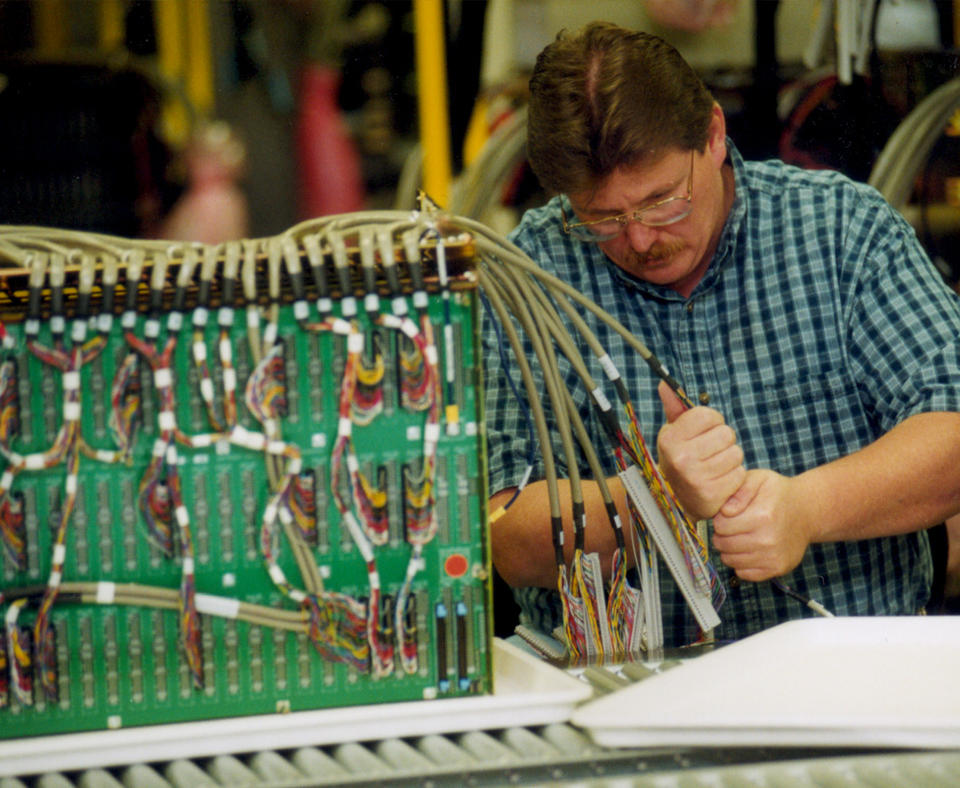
x=658 y=251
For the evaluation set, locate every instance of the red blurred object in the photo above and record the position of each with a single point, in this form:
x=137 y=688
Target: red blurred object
x=328 y=161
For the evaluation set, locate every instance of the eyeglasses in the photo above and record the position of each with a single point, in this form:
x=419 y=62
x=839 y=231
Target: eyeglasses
x=660 y=214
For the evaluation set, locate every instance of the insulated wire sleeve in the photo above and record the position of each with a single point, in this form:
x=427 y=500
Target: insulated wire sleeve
x=524 y=408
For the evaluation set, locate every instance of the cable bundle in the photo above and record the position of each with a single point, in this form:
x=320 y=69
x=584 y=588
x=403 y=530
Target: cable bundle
x=604 y=617
x=182 y=383
x=169 y=293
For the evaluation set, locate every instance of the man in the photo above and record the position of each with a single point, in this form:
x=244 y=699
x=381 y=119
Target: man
x=796 y=307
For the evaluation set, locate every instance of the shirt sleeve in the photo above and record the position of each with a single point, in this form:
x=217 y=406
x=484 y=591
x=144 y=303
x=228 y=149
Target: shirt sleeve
x=904 y=322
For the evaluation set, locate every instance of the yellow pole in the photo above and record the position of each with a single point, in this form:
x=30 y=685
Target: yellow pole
x=111 y=25
x=50 y=20
x=168 y=19
x=956 y=23
x=432 y=98
x=199 y=73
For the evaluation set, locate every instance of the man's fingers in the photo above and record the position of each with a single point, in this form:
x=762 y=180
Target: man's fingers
x=672 y=404
x=738 y=502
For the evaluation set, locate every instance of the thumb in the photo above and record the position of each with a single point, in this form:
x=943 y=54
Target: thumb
x=672 y=404
x=739 y=501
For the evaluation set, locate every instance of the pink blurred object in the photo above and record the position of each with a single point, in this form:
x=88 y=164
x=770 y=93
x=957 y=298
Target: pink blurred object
x=692 y=16
x=328 y=160
x=213 y=209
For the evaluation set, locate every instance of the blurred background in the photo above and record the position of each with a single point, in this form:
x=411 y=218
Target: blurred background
x=216 y=119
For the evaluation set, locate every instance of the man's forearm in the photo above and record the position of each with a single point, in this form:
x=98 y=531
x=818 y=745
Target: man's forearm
x=907 y=479
x=522 y=539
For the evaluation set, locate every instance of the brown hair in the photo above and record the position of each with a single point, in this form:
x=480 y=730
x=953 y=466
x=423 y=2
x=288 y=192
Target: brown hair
x=606 y=97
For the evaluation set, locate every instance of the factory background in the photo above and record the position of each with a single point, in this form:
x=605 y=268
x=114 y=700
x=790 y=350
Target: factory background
x=318 y=101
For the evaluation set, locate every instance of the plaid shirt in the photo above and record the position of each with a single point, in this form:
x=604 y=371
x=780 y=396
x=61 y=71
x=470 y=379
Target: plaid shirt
x=819 y=325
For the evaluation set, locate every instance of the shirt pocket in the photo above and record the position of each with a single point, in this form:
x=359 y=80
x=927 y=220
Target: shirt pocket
x=808 y=418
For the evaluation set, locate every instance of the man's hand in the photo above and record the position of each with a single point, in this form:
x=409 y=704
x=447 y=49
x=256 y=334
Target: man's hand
x=699 y=455
x=760 y=532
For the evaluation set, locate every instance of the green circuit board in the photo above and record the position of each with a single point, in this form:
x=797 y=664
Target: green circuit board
x=165 y=559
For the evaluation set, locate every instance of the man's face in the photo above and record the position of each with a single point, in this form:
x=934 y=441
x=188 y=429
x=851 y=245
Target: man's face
x=677 y=254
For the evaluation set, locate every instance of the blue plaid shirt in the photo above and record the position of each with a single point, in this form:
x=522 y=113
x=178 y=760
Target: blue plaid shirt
x=819 y=325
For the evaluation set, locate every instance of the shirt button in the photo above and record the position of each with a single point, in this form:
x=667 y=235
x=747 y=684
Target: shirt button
x=704 y=397
x=689 y=306
x=734 y=581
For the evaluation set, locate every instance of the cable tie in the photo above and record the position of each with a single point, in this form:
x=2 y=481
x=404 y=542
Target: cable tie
x=355 y=343
x=225 y=349
x=57 y=324
x=391 y=321
x=59 y=553
x=270 y=334
x=371 y=302
x=220 y=606
x=229 y=379
x=601 y=399
x=78 y=332
x=71 y=380
x=199 y=352
x=106 y=592
x=162 y=378
x=609 y=368
x=34 y=462
x=200 y=317
x=250 y=440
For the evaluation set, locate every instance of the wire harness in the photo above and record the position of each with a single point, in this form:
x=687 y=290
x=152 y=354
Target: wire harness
x=267 y=453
